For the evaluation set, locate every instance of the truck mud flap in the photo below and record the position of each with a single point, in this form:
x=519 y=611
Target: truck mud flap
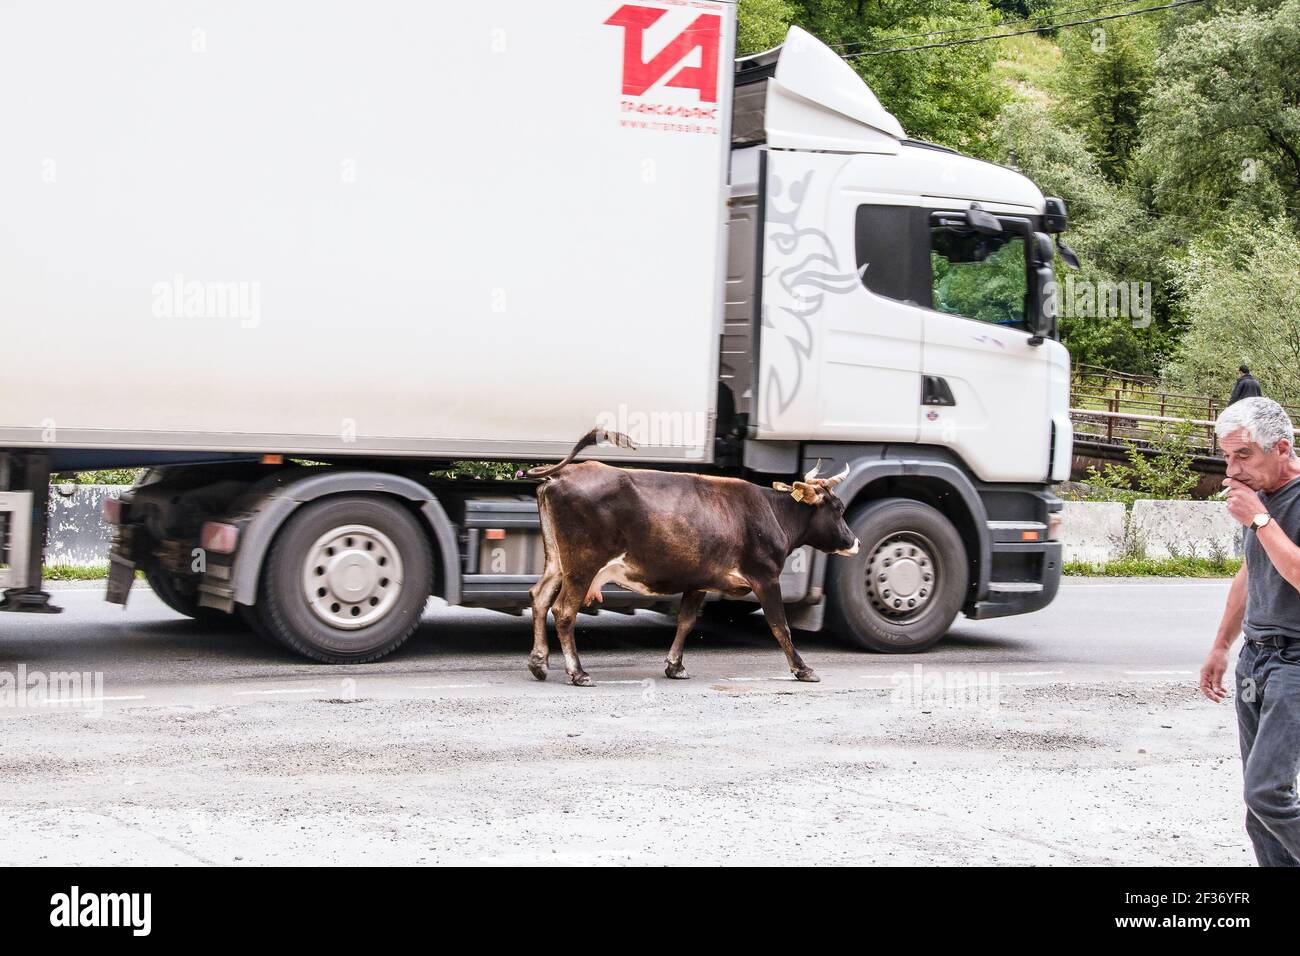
x=121 y=575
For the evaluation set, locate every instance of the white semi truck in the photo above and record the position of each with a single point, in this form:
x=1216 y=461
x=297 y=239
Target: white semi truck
x=294 y=258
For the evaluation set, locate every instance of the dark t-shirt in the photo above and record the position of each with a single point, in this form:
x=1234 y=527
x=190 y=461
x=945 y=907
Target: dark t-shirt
x=1272 y=603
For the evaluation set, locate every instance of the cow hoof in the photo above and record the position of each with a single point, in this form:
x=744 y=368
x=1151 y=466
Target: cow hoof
x=806 y=674
x=581 y=679
x=676 y=671
x=538 y=668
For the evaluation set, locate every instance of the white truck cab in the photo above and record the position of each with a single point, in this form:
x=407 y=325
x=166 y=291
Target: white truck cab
x=891 y=304
x=883 y=315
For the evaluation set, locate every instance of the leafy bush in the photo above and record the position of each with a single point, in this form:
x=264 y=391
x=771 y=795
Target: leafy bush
x=485 y=470
x=107 y=476
x=1164 y=472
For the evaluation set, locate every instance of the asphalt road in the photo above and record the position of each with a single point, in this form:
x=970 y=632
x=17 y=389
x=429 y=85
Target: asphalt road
x=1074 y=735
x=1095 y=630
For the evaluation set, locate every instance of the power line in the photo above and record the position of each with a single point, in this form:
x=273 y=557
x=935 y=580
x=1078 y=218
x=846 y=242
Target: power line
x=989 y=26
x=1156 y=192
x=1019 y=33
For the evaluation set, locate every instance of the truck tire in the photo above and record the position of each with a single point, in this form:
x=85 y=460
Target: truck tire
x=253 y=621
x=902 y=590
x=346 y=579
x=164 y=585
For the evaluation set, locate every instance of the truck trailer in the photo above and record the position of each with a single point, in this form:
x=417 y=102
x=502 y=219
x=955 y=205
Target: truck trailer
x=294 y=259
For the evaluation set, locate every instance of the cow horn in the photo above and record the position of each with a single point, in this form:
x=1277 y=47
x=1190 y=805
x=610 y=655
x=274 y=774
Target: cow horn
x=836 y=479
x=813 y=474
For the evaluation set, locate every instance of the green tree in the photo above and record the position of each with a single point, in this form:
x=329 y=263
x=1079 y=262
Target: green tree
x=1116 y=236
x=1021 y=9
x=1103 y=83
x=762 y=25
x=948 y=96
x=1222 y=125
x=1240 y=286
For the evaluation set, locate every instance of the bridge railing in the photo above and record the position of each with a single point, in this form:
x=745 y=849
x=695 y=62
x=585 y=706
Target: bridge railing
x=1114 y=407
x=1114 y=428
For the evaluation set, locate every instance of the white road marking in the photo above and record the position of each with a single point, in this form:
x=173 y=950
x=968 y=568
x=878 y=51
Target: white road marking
x=758 y=678
x=294 y=690
x=89 y=700
x=958 y=669
x=1208 y=582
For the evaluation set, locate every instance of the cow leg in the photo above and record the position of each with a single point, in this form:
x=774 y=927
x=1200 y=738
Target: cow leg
x=769 y=596
x=692 y=601
x=572 y=592
x=544 y=593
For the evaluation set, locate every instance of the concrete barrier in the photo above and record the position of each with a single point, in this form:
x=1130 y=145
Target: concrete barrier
x=1186 y=529
x=78 y=533
x=1099 y=531
x=1092 y=531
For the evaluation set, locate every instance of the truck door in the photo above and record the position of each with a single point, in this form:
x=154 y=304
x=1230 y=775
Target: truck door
x=985 y=386
x=840 y=347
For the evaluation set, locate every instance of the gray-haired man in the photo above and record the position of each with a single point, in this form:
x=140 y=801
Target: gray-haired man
x=1264 y=604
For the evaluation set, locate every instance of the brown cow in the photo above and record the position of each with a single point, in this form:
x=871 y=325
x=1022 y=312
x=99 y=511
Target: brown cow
x=660 y=532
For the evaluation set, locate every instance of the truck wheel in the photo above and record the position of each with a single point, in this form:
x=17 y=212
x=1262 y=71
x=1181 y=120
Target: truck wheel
x=182 y=602
x=253 y=621
x=902 y=590
x=346 y=579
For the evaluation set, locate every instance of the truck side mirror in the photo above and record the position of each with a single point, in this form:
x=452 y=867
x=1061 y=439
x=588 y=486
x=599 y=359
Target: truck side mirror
x=1044 y=299
x=1040 y=249
x=1054 y=218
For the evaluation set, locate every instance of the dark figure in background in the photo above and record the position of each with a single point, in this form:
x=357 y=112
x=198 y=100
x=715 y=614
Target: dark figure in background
x=1247 y=386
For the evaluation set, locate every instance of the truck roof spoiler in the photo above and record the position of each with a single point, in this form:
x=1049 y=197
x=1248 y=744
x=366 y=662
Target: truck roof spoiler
x=803 y=94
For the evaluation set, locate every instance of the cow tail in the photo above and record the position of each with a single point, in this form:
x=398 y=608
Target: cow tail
x=595 y=436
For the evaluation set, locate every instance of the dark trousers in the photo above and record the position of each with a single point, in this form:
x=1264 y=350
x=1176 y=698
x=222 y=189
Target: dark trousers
x=1268 y=724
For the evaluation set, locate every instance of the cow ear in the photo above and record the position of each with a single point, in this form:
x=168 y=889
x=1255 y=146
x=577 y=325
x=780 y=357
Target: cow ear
x=781 y=486
x=805 y=493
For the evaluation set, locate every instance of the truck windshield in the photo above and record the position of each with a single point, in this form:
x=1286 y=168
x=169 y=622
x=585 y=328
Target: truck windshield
x=978 y=276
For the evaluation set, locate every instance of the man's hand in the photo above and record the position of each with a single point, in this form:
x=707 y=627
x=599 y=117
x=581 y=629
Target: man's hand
x=1212 y=671
x=1243 y=502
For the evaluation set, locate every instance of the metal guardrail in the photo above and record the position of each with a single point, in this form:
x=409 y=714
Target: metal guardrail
x=1118 y=427
x=1117 y=407
x=1134 y=393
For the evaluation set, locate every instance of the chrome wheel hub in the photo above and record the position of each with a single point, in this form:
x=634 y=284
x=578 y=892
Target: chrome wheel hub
x=352 y=576
x=901 y=576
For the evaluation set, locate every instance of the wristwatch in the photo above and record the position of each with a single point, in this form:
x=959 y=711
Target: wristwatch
x=1260 y=520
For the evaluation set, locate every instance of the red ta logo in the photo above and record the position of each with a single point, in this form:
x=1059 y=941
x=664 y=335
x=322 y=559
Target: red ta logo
x=638 y=75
